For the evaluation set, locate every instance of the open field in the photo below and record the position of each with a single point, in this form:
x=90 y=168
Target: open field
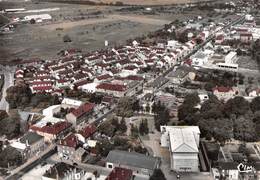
x=46 y=42
x=110 y=18
x=87 y=26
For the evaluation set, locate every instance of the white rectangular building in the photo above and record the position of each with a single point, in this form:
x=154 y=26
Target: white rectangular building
x=183 y=144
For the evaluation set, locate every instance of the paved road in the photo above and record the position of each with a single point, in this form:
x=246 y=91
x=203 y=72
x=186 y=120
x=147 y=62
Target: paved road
x=9 y=81
x=31 y=163
x=153 y=143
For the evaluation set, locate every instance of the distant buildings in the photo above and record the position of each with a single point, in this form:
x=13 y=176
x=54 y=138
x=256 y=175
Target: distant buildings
x=183 y=144
x=38 y=17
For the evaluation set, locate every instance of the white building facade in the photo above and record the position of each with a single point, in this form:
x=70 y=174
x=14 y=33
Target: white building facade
x=183 y=144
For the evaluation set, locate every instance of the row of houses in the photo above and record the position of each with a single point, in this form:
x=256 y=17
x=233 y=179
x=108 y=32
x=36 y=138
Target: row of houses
x=115 y=71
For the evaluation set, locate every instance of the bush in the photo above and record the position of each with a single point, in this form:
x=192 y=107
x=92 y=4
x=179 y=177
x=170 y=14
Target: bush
x=66 y=38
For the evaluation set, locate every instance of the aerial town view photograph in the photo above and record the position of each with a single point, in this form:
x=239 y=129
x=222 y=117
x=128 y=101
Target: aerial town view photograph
x=129 y=89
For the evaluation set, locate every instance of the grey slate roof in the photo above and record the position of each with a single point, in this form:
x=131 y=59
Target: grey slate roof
x=31 y=137
x=133 y=159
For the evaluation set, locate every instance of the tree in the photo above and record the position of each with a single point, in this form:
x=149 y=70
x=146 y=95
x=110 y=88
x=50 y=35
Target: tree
x=115 y=122
x=157 y=175
x=32 y=21
x=18 y=96
x=125 y=107
x=121 y=143
x=147 y=108
x=10 y=157
x=122 y=126
x=192 y=99
x=3 y=114
x=66 y=38
x=136 y=106
x=143 y=127
x=237 y=106
x=104 y=147
x=107 y=128
x=10 y=127
x=220 y=129
x=255 y=104
x=244 y=129
x=187 y=110
x=134 y=131
x=212 y=108
x=162 y=118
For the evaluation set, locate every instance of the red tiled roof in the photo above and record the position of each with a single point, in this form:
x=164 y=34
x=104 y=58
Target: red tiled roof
x=59 y=67
x=42 y=88
x=119 y=173
x=222 y=89
x=83 y=109
x=130 y=77
x=102 y=65
x=62 y=81
x=42 y=83
x=70 y=141
x=54 y=129
x=105 y=76
x=114 y=71
x=123 y=62
x=81 y=83
x=134 y=78
x=88 y=131
x=220 y=37
x=130 y=67
x=79 y=76
x=19 y=73
x=111 y=87
x=246 y=34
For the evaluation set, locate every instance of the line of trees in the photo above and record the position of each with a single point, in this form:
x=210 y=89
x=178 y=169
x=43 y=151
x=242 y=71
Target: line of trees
x=162 y=116
x=237 y=118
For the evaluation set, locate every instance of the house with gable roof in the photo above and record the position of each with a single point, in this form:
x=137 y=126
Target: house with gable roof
x=224 y=93
x=80 y=114
x=183 y=144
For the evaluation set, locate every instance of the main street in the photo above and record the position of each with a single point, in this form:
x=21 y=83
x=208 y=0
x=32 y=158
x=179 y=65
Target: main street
x=8 y=81
x=32 y=162
x=153 y=143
